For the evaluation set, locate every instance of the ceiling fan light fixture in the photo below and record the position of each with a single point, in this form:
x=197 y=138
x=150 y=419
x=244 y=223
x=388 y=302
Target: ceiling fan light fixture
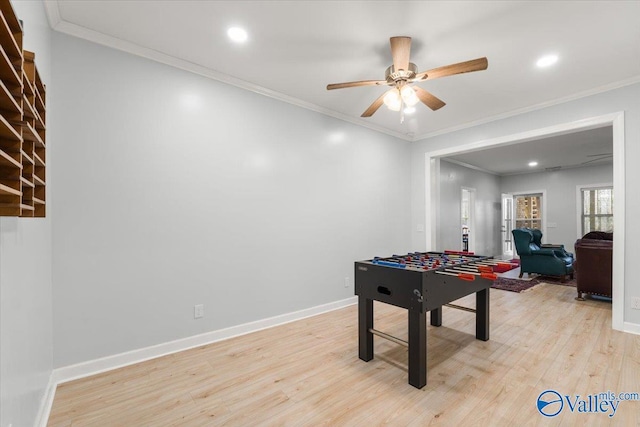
x=409 y=96
x=392 y=100
x=410 y=110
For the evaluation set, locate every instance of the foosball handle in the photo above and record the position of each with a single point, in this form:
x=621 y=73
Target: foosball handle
x=490 y=276
x=466 y=276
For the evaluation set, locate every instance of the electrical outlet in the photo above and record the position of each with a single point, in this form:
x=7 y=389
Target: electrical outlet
x=635 y=303
x=346 y=282
x=198 y=311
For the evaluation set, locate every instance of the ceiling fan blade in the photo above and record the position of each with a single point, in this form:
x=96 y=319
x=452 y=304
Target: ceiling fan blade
x=450 y=70
x=400 y=51
x=374 y=106
x=356 y=84
x=428 y=99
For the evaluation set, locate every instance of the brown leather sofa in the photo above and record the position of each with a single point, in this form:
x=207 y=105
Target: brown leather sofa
x=593 y=264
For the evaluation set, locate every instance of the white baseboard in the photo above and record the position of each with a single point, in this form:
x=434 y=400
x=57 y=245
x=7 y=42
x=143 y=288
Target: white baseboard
x=92 y=367
x=632 y=328
x=46 y=403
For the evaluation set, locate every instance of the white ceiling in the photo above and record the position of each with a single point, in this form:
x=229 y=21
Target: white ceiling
x=579 y=149
x=296 y=48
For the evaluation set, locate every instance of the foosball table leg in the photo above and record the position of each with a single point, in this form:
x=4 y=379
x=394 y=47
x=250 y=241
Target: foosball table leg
x=436 y=317
x=417 y=348
x=482 y=315
x=365 y=325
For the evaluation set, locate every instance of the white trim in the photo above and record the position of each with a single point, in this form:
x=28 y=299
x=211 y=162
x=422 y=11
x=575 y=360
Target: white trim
x=58 y=24
x=92 y=367
x=616 y=120
x=619 y=212
x=46 y=403
x=52 y=10
x=432 y=198
x=579 y=189
x=632 y=328
x=583 y=94
x=154 y=55
x=472 y=213
x=504 y=230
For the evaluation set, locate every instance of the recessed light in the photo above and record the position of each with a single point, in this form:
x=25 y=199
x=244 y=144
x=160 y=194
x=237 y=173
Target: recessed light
x=533 y=164
x=547 y=61
x=237 y=34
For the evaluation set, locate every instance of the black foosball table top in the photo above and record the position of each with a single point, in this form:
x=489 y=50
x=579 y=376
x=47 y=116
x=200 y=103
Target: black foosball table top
x=425 y=261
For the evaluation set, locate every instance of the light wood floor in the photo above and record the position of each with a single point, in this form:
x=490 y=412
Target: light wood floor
x=307 y=373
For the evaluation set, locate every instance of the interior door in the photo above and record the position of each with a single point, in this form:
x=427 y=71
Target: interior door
x=507 y=225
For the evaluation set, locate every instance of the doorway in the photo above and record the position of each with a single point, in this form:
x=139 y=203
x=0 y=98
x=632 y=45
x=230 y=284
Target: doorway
x=615 y=120
x=467 y=218
x=507 y=226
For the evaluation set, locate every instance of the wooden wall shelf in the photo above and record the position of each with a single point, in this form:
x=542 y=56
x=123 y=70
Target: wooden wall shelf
x=22 y=123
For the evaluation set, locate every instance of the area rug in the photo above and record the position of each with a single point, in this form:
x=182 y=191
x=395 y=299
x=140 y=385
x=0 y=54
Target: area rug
x=513 y=285
x=516 y=285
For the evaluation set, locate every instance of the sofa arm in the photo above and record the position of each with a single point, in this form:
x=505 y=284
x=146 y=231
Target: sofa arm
x=551 y=246
x=545 y=252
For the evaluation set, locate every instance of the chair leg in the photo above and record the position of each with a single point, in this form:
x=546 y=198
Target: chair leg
x=579 y=297
x=571 y=276
x=521 y=273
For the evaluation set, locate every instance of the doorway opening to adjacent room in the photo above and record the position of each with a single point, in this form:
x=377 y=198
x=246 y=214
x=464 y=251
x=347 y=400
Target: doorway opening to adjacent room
x=467 y=218
x=507 y=226
x=613 y=120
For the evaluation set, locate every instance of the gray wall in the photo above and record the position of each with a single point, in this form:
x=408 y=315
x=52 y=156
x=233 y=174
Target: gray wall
x=174 y=190
x=487 y=208
x=561 y=202
x=625 y=99
x=25 y=273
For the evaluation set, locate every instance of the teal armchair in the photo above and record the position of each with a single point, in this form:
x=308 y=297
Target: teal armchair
x=549 y=260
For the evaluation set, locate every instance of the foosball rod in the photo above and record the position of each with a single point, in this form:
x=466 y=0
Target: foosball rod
x=463 y=276
x=481 y=268
x=483 y=274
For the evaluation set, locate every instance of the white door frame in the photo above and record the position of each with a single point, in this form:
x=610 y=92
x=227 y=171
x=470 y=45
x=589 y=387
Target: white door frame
x=505 y=232
x=472 y=216
x=616 y=120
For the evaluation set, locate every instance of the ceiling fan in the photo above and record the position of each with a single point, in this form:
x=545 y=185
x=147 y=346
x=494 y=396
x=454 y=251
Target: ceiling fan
x=597 y=157
x=402 y=74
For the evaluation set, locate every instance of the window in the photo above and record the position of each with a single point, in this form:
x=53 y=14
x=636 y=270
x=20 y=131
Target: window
x=597 y=209
x=529 y=211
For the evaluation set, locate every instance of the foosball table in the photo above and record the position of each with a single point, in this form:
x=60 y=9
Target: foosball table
x=421 y=282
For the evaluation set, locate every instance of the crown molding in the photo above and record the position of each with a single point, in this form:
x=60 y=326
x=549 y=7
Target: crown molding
x=75 y=30
x=58 y=24
x=583 y=94
x=53 y=12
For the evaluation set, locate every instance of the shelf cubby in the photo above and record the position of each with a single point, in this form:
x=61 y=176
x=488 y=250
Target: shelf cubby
x=22 y=123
